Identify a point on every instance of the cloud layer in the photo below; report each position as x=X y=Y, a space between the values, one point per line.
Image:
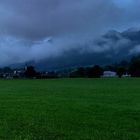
x=43 y=29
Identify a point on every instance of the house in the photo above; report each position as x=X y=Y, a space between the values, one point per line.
x=126 y=75
x=109 y=74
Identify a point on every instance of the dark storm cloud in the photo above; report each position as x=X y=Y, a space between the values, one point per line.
x=39 y=29
x=41 y=18
x=112 y=47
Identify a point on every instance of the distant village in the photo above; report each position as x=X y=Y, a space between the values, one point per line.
x=122 y=69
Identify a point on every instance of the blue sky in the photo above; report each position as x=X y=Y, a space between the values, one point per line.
x=124 y=3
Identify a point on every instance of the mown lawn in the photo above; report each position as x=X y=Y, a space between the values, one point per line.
x=70 y=109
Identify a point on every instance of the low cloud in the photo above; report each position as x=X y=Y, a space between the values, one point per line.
x=135 y=50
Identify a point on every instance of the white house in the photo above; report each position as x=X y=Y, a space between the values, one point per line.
x=109 y=74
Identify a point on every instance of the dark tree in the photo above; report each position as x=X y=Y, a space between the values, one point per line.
x=95 y=72
x=110 y=67
x=30 y=72
x=121 y=71
x=81 y=72
x=135 y=69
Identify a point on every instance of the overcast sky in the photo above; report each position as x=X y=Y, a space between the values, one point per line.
x=41 y=29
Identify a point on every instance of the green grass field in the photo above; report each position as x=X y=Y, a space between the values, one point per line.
x=70 y=109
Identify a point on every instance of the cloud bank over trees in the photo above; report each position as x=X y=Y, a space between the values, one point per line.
x=44 y=29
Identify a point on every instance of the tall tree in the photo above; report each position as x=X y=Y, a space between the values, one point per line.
x=121 y=71
x=30 y=72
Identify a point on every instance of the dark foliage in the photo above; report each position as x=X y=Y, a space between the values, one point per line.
x=121 y=71
x=30 y=72
x=134 y=69
x=95 y=72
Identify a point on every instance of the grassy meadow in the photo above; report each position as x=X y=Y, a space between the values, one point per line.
x=70 y=109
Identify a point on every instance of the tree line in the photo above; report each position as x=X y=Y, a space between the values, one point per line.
x=131 y=67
